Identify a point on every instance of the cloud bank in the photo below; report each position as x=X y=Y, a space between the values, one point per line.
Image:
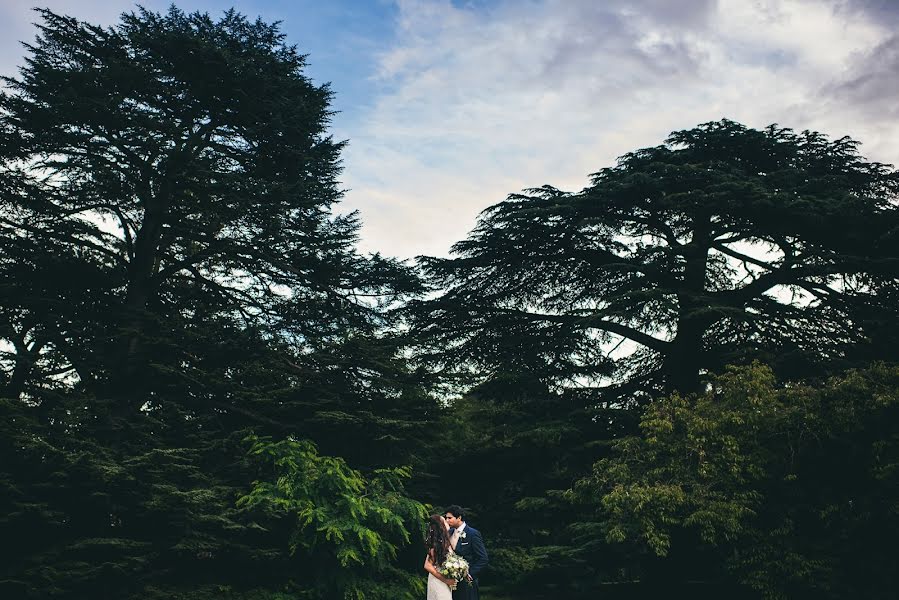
x=480 y=101
x=450 y=106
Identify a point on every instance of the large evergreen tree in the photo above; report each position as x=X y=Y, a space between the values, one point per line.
x=722 y=244
x=189 y=158
x=174 y=278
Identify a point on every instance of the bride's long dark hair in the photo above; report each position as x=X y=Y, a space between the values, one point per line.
x=437 y=540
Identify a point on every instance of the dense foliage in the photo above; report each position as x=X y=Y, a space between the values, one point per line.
x=348 y=528
x=794 y=486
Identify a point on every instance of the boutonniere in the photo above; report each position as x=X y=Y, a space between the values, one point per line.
x=462 y=535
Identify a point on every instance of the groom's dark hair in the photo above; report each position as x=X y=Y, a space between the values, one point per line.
x=456 y=511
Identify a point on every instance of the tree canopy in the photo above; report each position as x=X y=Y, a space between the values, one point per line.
x=723 y=244
x=187 y=160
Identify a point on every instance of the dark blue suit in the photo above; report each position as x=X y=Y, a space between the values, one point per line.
x=471 y=548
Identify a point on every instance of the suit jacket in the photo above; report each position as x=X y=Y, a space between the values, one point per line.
x=471 y=548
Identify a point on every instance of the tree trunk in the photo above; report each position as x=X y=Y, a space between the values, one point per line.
x=684 y=360
x=141 y=289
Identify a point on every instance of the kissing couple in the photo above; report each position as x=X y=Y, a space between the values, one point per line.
x=450 y=538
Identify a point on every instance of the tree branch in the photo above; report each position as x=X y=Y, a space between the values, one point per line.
x=597 y=322
x=720 y=247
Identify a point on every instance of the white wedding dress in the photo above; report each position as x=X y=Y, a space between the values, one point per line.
x=437 y=590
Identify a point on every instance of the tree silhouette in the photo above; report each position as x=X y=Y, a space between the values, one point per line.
x=174 y=279
x=722 y=244
x=188 y=158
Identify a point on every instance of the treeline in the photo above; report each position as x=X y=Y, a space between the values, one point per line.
x=684 y=372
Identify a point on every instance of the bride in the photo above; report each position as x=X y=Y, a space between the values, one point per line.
x=438 y=545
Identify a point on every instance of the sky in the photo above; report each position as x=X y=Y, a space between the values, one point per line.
x=448 y=107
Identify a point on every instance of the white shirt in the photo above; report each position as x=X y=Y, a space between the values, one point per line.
x=456 y=534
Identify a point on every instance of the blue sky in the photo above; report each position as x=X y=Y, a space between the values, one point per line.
x=450 y=106
x=342 y=37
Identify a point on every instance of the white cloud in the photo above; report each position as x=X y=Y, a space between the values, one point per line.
x=483 y=102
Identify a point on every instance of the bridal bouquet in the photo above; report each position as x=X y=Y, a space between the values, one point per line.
x=454 y=567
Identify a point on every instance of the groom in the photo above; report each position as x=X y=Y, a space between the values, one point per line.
x=467 y=543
